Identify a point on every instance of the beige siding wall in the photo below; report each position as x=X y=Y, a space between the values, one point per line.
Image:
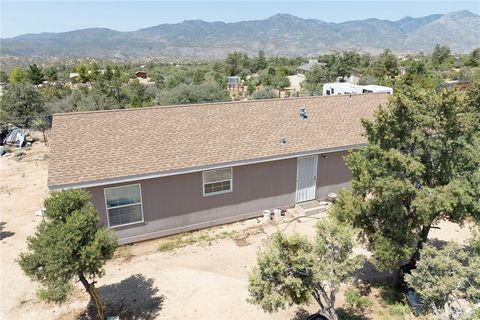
x=176 y=204
x=332 y=174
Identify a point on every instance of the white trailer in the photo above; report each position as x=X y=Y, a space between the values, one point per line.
x=377 y=89
x=348 y=88
x=340 y=88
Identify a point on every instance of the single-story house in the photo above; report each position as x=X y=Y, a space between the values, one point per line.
x=162 y=170
x=354 y=77
x=304 y=68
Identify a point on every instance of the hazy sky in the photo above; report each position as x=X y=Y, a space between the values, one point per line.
x=19 y=17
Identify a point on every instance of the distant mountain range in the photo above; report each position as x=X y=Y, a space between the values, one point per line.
x=282 y=34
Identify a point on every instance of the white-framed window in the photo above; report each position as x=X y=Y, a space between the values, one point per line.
x=124 y=205
x=217 y=181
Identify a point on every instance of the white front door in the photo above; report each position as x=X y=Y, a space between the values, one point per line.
x=306 y=178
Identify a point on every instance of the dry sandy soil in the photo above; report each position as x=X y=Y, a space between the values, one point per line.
x=204 y=280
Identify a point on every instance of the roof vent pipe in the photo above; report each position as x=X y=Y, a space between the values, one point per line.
x=303 y=113
x=283 y=140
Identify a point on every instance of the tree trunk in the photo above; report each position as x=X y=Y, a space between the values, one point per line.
x=44 y=137
x=92 y=291
x=327 y=308
x=396 y=277
x=423 y=237
x=331 y=313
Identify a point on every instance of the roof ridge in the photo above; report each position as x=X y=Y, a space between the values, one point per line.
x=209 y=104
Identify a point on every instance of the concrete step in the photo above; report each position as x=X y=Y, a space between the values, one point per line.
x=312 y=207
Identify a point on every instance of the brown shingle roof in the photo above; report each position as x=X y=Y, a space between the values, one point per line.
x=90 y=146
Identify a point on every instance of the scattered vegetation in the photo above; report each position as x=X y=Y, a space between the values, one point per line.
x=421 y=165
x=355 y=299
x=40 y=90
x=199 y=238
x=448 y=279
x=294 y=269
x=124 y=252
x=20 y=154
x=69 y=244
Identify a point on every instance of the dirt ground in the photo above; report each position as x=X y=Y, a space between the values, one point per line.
x=203 y=280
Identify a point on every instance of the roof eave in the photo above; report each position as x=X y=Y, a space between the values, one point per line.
x=146 y=176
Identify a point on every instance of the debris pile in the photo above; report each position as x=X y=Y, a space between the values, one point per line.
x=12 y=136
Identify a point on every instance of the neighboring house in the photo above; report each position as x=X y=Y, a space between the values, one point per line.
x=336 y=88
x=158 y=171
x=74 y=77
x=234 y=83
x=354 y=77
x=304 y=68
x=295 y=82
x=141 y=74
x=461 y=85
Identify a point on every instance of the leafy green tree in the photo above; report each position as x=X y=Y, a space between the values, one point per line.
x=176 y=78
x=118 y=74
x=199 y=76
x=21 y=103
x=260 y=61
x=329 y=59
x=440 y=54
x=235 y=62
x=185 y=94
x=35 y=74
x=138 y=95
x=159 y=79
x=342 y=65
x=41 y=123
x=96 y=100
x=271 y=71
x=69 y=244
x=108 y=74
x=473 y=98
x=386 y=66
x=219 y=73
x=3 y=77
x=250 y=88
x=465 y=74
x=264 y=93
x=315 y=78
x=293 y=269
x=51 y=74
x=420 y=75
x=83 y=73
x=50 y=93
x=265 y=78
x=420 y=166
x=281 y=82
x=474 y=58
x=351 y=58
x=445 y=276
x=95 y=72
x=417 y=67
x=17 y=75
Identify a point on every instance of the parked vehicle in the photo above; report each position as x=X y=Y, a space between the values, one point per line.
x=317 y=316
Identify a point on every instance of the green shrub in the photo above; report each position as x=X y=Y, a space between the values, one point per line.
x=355 y=300
x=19 y=154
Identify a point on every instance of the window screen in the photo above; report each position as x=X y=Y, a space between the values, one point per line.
x=124 y=205
x=217 y=181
